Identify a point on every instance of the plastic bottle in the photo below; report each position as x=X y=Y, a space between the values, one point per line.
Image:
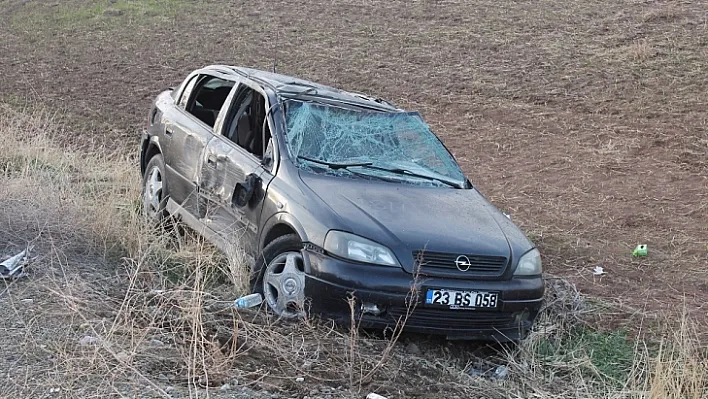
x=249 y=301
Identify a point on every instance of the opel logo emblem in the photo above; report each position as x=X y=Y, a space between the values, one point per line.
x=463 y=263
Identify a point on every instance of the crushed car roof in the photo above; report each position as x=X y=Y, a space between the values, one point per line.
x=286 y=86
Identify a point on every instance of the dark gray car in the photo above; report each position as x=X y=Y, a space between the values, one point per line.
x=337 y=195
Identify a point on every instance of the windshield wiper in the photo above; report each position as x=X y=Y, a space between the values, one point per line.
x=369 y=165
x=335 y=165
x=406 y=172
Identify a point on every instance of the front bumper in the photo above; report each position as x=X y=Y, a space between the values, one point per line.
x=330 y=282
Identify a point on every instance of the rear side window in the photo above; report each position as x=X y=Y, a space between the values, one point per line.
x=206 y=97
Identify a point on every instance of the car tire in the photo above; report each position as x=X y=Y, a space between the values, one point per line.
x=155 y=191
x=280 y=277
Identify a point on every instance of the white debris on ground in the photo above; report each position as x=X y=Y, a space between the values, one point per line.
x=13 y=267
x=89 y=340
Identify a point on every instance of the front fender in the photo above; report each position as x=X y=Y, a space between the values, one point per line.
x=281 y=218
x=148 y=146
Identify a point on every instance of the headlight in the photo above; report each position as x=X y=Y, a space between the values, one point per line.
x=360 y=249
x=529 y=264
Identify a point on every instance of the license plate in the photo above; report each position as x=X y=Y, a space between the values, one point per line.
x=462 y=299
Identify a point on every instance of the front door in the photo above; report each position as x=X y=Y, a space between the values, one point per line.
x=233 y=180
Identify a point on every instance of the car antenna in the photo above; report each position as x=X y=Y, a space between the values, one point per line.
x=275 y=51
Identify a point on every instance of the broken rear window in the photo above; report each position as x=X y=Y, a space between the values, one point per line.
x=387 y=145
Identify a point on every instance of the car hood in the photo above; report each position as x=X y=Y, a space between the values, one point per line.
x=409 y=218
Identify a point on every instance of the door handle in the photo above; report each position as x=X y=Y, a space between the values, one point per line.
x=214 y=159
x=168 y=132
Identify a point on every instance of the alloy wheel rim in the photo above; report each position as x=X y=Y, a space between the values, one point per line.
x=153 y=192
x=284 y=285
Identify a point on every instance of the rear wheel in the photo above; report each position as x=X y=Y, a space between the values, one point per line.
x=281 y=277
x=155 y=192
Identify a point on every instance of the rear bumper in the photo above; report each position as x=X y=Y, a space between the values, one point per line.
x=331 y=282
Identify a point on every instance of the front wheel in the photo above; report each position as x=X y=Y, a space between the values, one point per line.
x=155 y=193
x=281 y=277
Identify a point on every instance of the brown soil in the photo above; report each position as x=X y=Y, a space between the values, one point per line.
x=586 y=120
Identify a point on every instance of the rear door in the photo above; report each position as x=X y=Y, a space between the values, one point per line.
x=188 y=131
x=234 y=177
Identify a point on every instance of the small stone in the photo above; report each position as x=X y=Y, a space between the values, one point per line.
x=112 y=12
x=299 y=379
x=225 y=387
x=169 y=389
x=163 y=377
x=88 y=340
x=122 y=356
x=414 y=350
x=156 y=342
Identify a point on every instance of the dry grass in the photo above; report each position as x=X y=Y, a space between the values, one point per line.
x=155 y=307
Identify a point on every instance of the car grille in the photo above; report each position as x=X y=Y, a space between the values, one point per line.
x=443 y=264
x=454 y=319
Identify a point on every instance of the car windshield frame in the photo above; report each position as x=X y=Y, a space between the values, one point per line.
x=399 y=144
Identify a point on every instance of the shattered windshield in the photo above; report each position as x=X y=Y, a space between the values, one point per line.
x=393 y=146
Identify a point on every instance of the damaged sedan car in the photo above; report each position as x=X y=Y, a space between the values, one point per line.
x=337 y=195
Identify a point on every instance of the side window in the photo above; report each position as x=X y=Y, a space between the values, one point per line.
x=245 y=121
x=182 y=103
x=208 y=95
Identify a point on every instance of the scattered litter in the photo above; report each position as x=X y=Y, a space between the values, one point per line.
x=54 y=390
x=27 y=301
x=497 y=373
x=88 y=340
x=375 y=396
x=225 y=387
x=299 y=379
x=507 y=215
x=640 y=250
x=156 y=292
x=598 y=271
x=12 y=267
x=500 y=373
x=249 y=301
